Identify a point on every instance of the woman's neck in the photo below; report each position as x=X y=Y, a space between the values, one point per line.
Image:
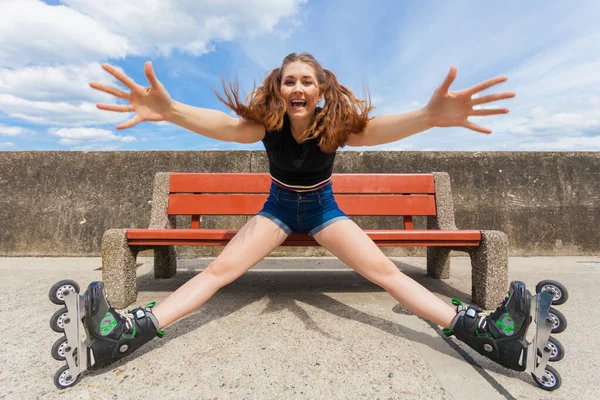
x=298 y=127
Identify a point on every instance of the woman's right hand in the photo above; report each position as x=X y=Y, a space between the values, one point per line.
x=149 y=104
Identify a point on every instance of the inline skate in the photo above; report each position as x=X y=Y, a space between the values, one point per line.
x=95 y=334
x=502 y=335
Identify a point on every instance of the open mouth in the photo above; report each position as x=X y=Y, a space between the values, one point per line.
x=298 y=105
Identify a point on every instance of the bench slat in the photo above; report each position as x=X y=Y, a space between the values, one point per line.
x=342 y=183
x=249 y=204
x=219 y=183
x=220 y=237
x=383 y=183
x=379 y=243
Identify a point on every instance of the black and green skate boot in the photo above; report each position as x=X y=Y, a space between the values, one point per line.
x=500 y=336
x=111 y=335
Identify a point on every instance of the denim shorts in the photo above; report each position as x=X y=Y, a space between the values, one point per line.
x=302 y=212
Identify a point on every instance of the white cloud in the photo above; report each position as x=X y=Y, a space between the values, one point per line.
x=49 y=54
x=57 y=113
x=387 y=105
x=7 y=130
x=80 y=136
x=60 y=83
x=375 y=99
x=564 y=143
x=400 y=145
x=558 y=71
x=557 y=103
x=555 y=82
x=187 y=25
x=83 y=31
x=6 y=145
x=32 y=32
x=542 y=121
x=218 y=145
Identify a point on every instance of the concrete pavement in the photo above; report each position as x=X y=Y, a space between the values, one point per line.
x=293 y=328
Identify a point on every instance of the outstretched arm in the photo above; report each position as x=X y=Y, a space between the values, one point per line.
x=154 y=104
x=215 y=124
x=444 y=109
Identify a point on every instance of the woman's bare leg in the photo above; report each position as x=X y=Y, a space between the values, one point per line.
x=257 y=238
x=352 y=245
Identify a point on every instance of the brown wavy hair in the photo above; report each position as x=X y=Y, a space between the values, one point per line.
x=342 y=113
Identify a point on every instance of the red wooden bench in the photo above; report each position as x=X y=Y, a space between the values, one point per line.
x=406 y=195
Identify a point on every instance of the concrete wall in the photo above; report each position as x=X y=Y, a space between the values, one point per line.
x=60 y=203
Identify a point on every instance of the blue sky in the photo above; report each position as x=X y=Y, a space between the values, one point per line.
x=50 y=50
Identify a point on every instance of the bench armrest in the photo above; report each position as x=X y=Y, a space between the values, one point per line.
x=443 y=201
x=159 y=218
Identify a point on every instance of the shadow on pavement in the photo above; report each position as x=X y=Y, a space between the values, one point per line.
x=285 y=288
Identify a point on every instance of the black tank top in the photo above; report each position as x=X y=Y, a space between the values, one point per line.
x=298 y=166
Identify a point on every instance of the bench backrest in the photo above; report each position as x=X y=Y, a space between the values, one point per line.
x=404 y=195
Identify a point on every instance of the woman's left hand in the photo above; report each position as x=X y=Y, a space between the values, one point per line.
x=447 y=108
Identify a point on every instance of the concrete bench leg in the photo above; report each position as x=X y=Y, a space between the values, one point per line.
x=119 y=268
x=438 y=262
x=165 y=262
x=489 y=263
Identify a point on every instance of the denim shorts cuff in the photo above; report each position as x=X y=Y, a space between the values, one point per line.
x=325 y=224
x=277 y=222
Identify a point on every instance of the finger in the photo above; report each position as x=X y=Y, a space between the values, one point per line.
x=115 y=107
x=127 y=81
x=475 y=127
x=149 y=71
x=110 y=90
x=489 y=111
x=128 y=124
x=492 y=97
x=449 y=79
x=486 y=84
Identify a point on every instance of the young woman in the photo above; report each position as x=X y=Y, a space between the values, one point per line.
x=301 y=140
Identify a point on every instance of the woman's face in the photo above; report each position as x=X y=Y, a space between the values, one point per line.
x=299 y=89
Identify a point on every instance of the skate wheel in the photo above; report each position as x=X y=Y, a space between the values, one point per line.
x=59 y=349
x=56 y=294
x=557 y=351
x=63 y=378
x=559 y=321
x=58 y=320
x=550 y=381
x=561 y=295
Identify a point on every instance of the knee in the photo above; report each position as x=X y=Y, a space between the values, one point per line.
x=222 y=271
x=384 y=274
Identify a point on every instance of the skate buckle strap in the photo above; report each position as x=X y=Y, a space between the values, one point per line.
x=129 y=326
x=148 y=307
x=459 y=307
x=471 y=312
x=456 y=302
x=461 y=310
